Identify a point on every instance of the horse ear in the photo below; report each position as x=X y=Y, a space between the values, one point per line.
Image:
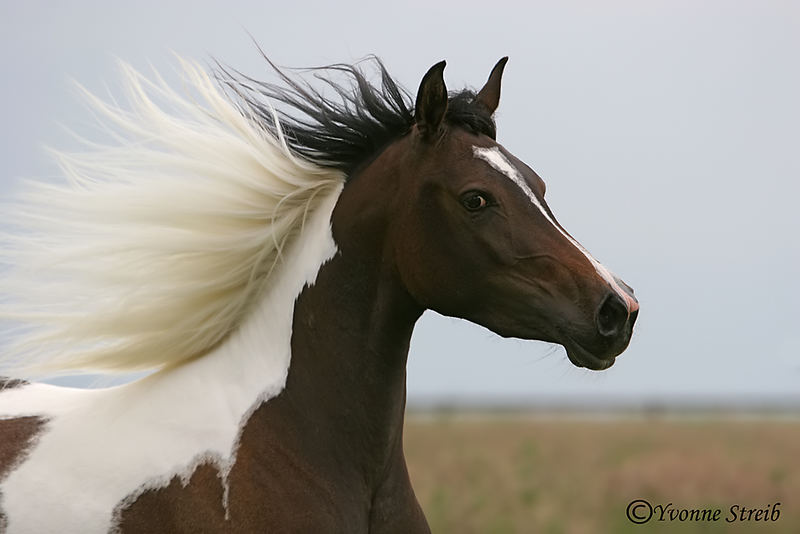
x=489 y=96
x=431 y=102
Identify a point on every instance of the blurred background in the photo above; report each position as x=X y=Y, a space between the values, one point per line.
x=668 y=135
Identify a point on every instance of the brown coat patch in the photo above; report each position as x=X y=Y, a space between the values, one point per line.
x=195 y=507
x=16 y=438
x=271 y=490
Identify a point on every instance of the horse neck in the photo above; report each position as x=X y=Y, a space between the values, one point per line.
x=349 y=350
x=344 y=398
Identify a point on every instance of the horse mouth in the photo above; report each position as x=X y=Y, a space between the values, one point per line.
x=580 y=357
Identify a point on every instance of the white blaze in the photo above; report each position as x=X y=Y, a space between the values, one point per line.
x=494 y=157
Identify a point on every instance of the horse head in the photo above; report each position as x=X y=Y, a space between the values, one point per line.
x=470 y=234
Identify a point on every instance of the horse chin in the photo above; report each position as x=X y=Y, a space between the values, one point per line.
x=581 y=357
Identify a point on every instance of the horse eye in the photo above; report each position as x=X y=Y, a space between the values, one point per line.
x=475 y=201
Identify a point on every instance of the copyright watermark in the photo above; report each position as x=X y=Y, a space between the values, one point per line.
x=640 y=511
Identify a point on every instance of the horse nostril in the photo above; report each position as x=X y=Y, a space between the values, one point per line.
x=611 y=316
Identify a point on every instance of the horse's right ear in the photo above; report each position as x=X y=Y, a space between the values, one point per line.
x=431 y=102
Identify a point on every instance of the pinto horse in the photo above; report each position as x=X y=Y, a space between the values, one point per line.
x=252 y=225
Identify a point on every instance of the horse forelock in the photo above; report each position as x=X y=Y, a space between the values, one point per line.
x=355 y=122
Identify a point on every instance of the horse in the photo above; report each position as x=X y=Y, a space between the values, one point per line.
x=264 y=250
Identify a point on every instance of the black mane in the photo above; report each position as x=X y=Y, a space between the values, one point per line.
x=354 y=125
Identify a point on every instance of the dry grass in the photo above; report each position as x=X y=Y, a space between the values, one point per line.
x=516 y=474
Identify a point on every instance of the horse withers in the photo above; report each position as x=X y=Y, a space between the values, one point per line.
x=267 y=250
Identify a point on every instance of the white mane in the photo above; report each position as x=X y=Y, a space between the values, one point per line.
x=157 y=247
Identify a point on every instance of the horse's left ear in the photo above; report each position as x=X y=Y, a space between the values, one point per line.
x=431 y=102
x=489 y=96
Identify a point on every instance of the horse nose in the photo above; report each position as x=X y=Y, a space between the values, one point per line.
x=614 y=314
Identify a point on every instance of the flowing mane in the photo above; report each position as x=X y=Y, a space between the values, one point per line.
x=344 y=131
x=157 y=246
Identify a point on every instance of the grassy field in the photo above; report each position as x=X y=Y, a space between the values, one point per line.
x=505 y=474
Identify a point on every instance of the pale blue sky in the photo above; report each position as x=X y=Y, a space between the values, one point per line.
x=667 y=133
